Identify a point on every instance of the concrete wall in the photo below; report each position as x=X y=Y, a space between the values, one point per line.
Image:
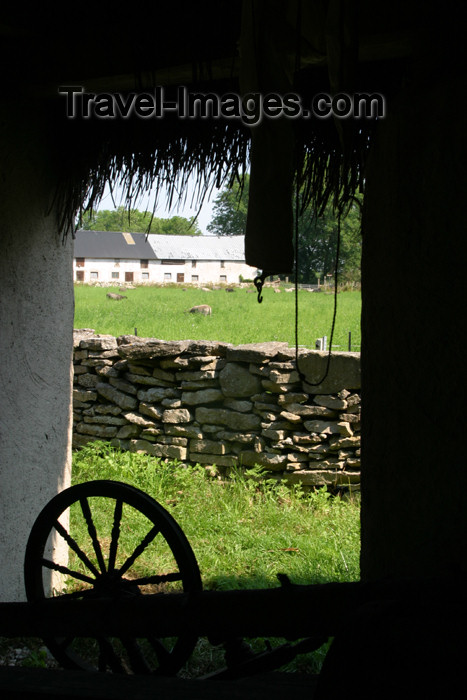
x=36 y=321
x=217 y=404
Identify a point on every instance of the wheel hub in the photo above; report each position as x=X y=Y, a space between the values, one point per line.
x=113 y=585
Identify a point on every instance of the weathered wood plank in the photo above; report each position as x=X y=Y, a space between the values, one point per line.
x=290 y=611
x=210 y=613
x=23 y=683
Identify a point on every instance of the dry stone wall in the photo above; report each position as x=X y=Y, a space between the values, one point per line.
x=214 y=403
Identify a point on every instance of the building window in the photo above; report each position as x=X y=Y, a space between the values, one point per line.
x=80 y=275
x=115 y=275
x=194 y=278
x=144 y=264
x=172 y=262
x=222 y=263
x=193 y=263
x=223 y=278
x=145 y=275
x=94 y=275
x=79 y=262
x=167 y=276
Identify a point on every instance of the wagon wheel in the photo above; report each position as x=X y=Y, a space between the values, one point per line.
x=98 y=540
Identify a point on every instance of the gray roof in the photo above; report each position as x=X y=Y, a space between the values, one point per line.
x=112 y=244
x=116 y=244
x=198 y=247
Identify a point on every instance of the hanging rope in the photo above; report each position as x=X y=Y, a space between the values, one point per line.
x=297 y=213
x=336 y=275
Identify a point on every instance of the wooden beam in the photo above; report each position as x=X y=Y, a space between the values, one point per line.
x=291 y=611
x=72 y=685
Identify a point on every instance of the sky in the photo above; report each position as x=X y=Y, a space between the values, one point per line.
x=162 y=210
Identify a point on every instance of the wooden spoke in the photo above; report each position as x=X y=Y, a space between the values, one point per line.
x=65 y=570
x=76 y=549
x=139 y=549
x=92 y=532
x=115 y=534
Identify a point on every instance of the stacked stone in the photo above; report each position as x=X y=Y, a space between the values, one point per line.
x=216 y=404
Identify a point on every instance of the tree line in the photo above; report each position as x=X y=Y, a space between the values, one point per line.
x=135 y=221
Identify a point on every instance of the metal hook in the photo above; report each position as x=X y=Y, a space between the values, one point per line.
x=258 y=282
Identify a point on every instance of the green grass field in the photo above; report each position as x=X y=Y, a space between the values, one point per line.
x=243 y=531
x=162 y=312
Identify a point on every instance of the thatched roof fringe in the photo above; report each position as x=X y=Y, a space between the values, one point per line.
x=168 y=163
x=325 y=175
x=213 y=153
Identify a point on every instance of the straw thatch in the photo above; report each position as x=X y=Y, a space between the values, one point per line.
x=140 y=156
x=327 y=158
x=214 y=152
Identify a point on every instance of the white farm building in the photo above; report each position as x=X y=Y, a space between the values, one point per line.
x=136 y=258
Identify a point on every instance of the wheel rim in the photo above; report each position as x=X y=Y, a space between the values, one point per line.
x=100 y=539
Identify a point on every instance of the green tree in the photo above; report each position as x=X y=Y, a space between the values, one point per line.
x=317 y=237
x=176 y=225
x=317 y=245
x=135 y=221
x=229 y=210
